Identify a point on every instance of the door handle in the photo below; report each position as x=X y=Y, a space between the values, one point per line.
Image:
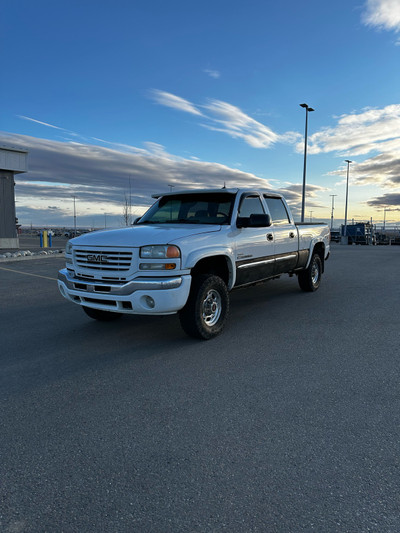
x=270 y=237
x=291 y=235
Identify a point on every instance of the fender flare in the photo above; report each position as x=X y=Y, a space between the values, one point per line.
x=313 y=244
x=208 y=253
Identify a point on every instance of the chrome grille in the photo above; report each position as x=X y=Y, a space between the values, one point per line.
x=103 y=260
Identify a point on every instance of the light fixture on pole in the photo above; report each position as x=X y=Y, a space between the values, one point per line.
x=333 y=207
x=303 y=199
x=345 y=239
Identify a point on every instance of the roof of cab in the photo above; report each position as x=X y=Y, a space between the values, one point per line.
x=222 y=190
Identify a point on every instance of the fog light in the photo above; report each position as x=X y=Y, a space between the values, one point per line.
x=149 y=302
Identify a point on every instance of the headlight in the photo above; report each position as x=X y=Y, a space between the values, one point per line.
x=68 y=248
x=160 y=252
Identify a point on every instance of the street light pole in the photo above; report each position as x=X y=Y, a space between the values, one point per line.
x=347 y=197
x=333 y=207
x=74 y=197
x=303 y=198
x=384 y=217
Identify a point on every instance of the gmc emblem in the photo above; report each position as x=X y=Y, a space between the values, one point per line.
x=97 y=258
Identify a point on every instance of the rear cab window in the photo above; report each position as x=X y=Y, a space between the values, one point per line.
x=277 y=210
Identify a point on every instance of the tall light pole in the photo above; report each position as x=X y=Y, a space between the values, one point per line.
x=333 y=207
x=347 y=197
x=384 y=217
x=303 y=199
x=74 y=197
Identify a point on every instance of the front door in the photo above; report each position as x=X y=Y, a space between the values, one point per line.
x=254 y=246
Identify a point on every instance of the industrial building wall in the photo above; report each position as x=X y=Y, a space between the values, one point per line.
x=8 y=232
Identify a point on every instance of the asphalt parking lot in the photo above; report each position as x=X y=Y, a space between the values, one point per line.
x=287 y=422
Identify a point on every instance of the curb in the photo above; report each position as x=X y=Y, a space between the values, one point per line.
x=26 y=255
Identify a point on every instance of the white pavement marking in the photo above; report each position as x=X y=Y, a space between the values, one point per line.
x=28 y=273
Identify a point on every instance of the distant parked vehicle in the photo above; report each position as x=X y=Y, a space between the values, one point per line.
x=335 y=235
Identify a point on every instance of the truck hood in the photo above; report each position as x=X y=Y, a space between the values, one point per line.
x=142 y=235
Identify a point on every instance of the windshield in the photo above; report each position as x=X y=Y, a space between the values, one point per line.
x=200 y=208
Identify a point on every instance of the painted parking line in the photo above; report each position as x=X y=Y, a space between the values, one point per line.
x=27 y=273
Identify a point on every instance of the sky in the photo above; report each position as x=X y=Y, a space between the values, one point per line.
x=116 y=101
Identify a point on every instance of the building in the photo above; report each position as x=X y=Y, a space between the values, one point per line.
x=12 y=161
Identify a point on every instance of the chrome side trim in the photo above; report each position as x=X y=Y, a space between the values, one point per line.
x=257 y=263
x=285 y=257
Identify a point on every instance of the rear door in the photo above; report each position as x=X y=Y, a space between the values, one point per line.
x=285 y=235
x=254 y=246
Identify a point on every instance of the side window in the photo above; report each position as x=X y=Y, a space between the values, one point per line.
x=251 y=205
x=278 y=210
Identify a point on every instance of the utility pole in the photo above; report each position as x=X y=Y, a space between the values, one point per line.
x=333 y=207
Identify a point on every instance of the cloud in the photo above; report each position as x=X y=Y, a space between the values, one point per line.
x=382 y=14
x=230 y=119
x=226 y=118
x=293 y=195
x=212 y=73
x=382 y=170
x=99 y=176
x=387 y=200
x=176 y=102
x=359 y=133
x=40 y=122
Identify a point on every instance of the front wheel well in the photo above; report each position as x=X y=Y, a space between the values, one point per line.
x=218 y=266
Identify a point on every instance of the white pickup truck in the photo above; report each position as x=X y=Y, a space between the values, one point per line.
x=187 y=252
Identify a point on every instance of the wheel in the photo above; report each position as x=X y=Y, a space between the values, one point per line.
x=103 y=316
x=310 y=278
x=206 y=310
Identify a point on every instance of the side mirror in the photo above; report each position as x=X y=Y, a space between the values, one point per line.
x=259 y=221
x=254 y=221
x=136 y=221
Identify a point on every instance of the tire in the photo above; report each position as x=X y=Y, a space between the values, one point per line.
x=207 y=308
x=310 y=278
x=102 y=316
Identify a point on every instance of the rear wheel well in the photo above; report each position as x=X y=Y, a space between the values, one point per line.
x=217 y=266
x=319 y=249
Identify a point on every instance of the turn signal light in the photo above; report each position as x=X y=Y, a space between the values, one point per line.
x=173 y=251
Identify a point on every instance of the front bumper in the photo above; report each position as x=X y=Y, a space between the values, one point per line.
x=143 y=296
